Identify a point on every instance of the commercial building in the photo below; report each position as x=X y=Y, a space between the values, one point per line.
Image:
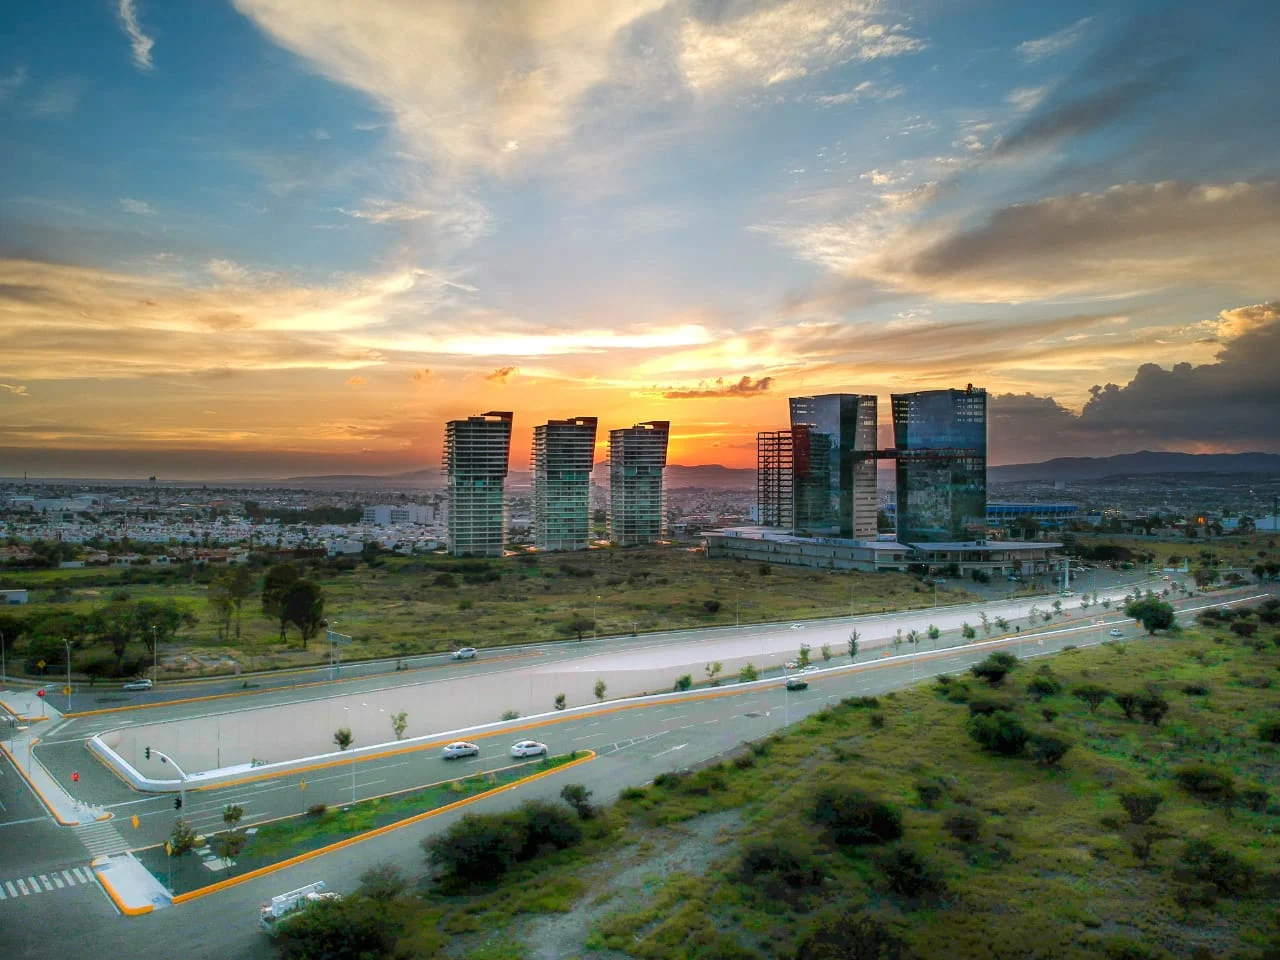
x=387 y=514
x=833 y=456
x=637 y=459
x=774 y=479
x=940 y=440
x=564 y=453
x=477 y=452
x=1010 y=515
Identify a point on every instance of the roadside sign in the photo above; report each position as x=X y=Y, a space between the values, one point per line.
x=40 y=693
x=75 y=776
x=302 y=784
x=66 y=691
x=135 y=821
x=40 y=664
x=338 y=638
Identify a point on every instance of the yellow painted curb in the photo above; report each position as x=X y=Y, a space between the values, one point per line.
x=260 y=692
x=377 y=831
x=36 y=790
x=124 y=908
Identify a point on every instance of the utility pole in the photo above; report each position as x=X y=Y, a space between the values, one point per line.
x=68 y=645
x=155 y=656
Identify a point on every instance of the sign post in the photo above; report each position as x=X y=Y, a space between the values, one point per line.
x=40 y=694
x=336 y=640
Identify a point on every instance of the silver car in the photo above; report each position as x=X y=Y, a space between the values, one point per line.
x=528 y=748
x=142 y=684
x=461 y=749
x=466 y=653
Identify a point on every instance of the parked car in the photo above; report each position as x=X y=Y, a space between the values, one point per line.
x=466 y=653
x=460 y=748
x=287 y=903
x=797 y=683
x=142 y=683
x=1115 y=632
x=529 y=748
x=792 y=664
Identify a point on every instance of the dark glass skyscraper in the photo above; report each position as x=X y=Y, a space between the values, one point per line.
x=637 y=458
x=563 y=456
x=476 y=454
x=833 y=447
x=941 y=441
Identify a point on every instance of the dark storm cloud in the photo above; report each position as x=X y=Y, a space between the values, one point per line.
x=746 y=387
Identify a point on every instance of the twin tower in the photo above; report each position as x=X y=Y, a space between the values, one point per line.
x=477 y=452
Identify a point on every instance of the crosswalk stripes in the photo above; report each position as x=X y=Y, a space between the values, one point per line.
x=101 y=839
x=44 y=883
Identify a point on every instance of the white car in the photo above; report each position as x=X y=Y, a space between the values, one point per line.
x=792 y=664
x=1115 y=632
x=528 y=748
x=466 y=653
x=461 y=749
x=797 y=626
x=141 y=684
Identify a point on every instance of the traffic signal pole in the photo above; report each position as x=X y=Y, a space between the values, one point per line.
x=182 y=781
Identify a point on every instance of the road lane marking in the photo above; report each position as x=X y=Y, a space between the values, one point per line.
x=45 y=881
x=57 y=882
x=9 y=886
x=22 y=886
x=70 y=880
x=663 y=753
x=705 y=722
x=82 y=877
x=586 y=736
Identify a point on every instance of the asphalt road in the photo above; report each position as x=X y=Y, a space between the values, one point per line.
x=634 y=745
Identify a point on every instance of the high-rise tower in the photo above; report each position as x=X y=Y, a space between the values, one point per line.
x=563 y=455
x=477 y=451
x=941 y=440
x=637 y=458
x=833 y=450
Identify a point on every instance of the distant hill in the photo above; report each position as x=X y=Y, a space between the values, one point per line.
x=1143 y=462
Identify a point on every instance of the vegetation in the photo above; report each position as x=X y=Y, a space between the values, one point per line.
x=1103 y=836
x=393 y=606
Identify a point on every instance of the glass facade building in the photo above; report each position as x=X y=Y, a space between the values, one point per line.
x=476 y=456
x=637 y=505
x=941 y=441
x=563 y=454
x=833 y=465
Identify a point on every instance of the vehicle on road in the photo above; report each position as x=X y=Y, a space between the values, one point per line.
x=1115 y=632
x=466 y=653
x=797 y=683
x=797 y=626
x=812 y=668
x=140 y=684
x=287 y=903
x=792 y=664
x=529 y=748
x=461 y=749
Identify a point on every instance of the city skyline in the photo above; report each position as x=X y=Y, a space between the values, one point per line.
x=270 y=238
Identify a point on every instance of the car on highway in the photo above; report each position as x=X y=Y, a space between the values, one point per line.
x=529 y=748
x=1115 y=632
x=466 y=653
x=792 y=664
x=797 y=683
x=140 y=684
x=460 y=748
x=797 y=626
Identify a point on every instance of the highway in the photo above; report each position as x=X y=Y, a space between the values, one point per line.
x=634 y=745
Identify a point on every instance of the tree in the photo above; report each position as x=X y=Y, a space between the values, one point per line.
x=229 y=845
x=967 y=631
x=825 y=650
x=117 y=625
x=1153 y=614
x=577 y=625
x=1152 y=707
x=1000 y=732
x=1057 y=606
x=1091 y=694
x=240 y=586
x=1128 y=702
x=934 y=633
x=219 y=597
x=399 y=724
x=711 y=670
x=275 y=584
x=803 y=658
x=1002 y=624
x=1204 y=576
x=560 y=701
x=578 y=797
x=913 y=638
x=748 y=674
x=994 y=668
x=342 y=737
x=182 y=839
x=986 y=623
x=383 y=882
x=599 y=689
x=853 y=644
x=1047 y=751
x=303 y=607
x=231 y=815
x=1141 y=805
x=353 y=927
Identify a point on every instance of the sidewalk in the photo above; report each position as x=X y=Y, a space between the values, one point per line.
x=130 y=885
x=22 y=716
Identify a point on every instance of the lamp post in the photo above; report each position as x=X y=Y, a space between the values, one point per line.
x=68 y=645
x=155 y=656
x=4 y=674
x=595 y=630
x=352 y=748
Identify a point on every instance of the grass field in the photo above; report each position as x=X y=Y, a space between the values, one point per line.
x=406 y=606
x=1238 y=551
x=999 y=856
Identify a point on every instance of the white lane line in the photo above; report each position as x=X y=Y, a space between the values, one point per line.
x=35 y=887
x=710 y=721
x=9 y=885
x=45 y=881
x=83 y=878
x=57 y=882
x=684 y=726
x=587 y=736
x=71 y=881
x=22 y=886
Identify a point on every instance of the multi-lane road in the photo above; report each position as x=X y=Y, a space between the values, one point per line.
x=50 y=911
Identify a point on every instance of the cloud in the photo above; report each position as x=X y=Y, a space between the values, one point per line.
x=140 y=42
x=1228 y=404
x=1055 y=43
x=1026 y=98
x=58 y=99
x=419 y=376
x=1238 y=321
x=385 y=211
x=866 y=90
x=16 y=390
x=746 y=387
x=356 y=381
x=773 y=43
x=139 y=207
x=501 y=375
x=1126 y=239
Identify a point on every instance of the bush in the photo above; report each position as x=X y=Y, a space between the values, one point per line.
x=354 y=926
x=748 y=674
x=711 y=606
x=853 y=818
x=317 y=809
x=965 y=827
x=578 y=797
x=860 y=703
x=383 y=882
x=1128 y=702
x=1152 y=707
x=1091 y=695
x=1269 y=731
x=480 y=848
x=839 y=935
x=929 y=794
x=1047 y=751
x=1141 y=805
x=1209 y=864
x=683 y=683
x=985 y=706
x=773 y=863
x=1255 y=799
x=994 y=668
x=1206 y=782
x=877 y=721
x=1000 y=733
x=1043 y=685
x=910 y=875
x=545 y=825
x=1196 y=689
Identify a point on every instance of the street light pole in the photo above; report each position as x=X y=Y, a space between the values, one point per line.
x=155 y=656
x=68 y=644
x=4 y=674
x=595 y=630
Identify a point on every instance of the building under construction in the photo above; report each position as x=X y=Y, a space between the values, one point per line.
x=563 y=455
x=774 y=478
x=637 y=459
x=477 y=452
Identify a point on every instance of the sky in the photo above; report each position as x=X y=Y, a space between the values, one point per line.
x=279 y=237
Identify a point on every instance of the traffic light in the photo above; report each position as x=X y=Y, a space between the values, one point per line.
x=147 y=753
x=177 y=803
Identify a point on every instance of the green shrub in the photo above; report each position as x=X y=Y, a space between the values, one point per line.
x=861 y=703
x=1206 y=782
x=1000 y=733
x=840 y=935
x=1255 y=799
x=877 y=721
x=929 y=794
x=1091 y=695
x=994 y=668
x=1269 y=731
x=684 y=683
x=1222 y=868
x=1141 y=805
x=853 y=818
x=778 y=866
x=1048 y=751
x=1196 y=689
x=985 y=706
x=1043 y=685
x=317 y=809
x=632 y=793
x=910 y=875
x=964 y=826
x=355 y=926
